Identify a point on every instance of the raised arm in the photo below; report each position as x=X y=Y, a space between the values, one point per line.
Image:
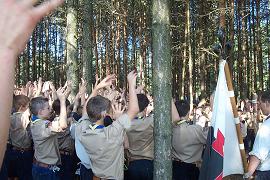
x=17 y=21
x=133 y=107
x=62 y=95
x=175 y=115
x=107 y=81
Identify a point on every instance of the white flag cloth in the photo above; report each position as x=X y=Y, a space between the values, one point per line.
x=223 y=120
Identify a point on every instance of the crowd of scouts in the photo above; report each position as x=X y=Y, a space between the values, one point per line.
x=110 y=136
x=107 y=135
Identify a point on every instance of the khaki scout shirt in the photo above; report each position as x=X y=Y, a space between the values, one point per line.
x=66 y=142
x=140 y=138
x=76 y=130
x=44 y=134
x=105 y=148
x=187 y=142
x=19 y=130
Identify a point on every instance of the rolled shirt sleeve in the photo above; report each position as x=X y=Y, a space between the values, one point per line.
x=261 y=147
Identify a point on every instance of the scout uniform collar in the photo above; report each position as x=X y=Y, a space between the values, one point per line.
x=139 y=117
x=34 y=118
x=181 y=121
x=96 y=126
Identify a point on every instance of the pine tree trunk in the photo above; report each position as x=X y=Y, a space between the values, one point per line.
x=244 y=82
x=47 y=51
x=72 y=54
x=255 y=57
x=125 y=46
x=87 y=42
x=162 y=89
x=259 y=45
x=190 y=62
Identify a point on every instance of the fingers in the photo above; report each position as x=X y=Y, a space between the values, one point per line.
x=28 y=3
x=45 y=8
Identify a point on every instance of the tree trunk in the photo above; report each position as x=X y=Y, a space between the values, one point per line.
x=190 y=62
x=255 y=57
x=72 y=54
x=162 y=89
x=125 y=46
x=231 y=57
x=34 y=64
x=243 y=80
x=47 y=51
x=87 y=42
x=259 y=45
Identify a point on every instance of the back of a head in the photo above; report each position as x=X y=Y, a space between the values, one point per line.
x=56 y=106
x=182 y=107
x=265 y=96
x=20 y=101
x=37 y=104
x=96 y=106
x=143 y=101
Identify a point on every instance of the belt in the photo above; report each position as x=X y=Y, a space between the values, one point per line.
x=180 y=161
x=67 y=153
x=44 y=165
x=21 y=149
x=41 y=164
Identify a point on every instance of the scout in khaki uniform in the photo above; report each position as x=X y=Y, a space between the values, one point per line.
x=44 y=134
x=21 y=153
x=187 y=145
x=104 y=145
x=66 y=144
x=141 y=143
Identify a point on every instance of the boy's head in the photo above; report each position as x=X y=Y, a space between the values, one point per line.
x=21 y=103
x=143 y=101
x=264 y=102
x=97 y=107
x=40 y=107
x=56 y=106
x=182 y=107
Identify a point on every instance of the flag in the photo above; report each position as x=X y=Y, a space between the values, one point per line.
x=222 y=154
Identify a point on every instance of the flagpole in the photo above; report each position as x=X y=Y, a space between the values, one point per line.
x=235 y=114
x=225 y=47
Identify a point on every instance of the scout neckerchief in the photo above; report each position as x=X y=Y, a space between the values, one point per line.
x=96 y=126
x=181 y=121
x=34 y=118
x=138 y=117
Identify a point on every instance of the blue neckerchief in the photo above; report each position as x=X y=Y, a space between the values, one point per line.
x=138 y=118
x=100 y=127
x=34 y=117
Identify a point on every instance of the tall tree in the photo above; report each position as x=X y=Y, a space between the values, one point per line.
x=162 y=88
x=190 y=60
x=72 y=46
x=87 y=41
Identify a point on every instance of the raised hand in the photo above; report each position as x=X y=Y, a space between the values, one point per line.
x=97 y=80
x=132 y=76
x=18 y=19
x=107 y=81
x=118 y=109
x=82 y=87
x=61 y=93
x=139 y=89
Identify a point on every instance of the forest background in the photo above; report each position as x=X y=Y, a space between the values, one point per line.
x=86 y=37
